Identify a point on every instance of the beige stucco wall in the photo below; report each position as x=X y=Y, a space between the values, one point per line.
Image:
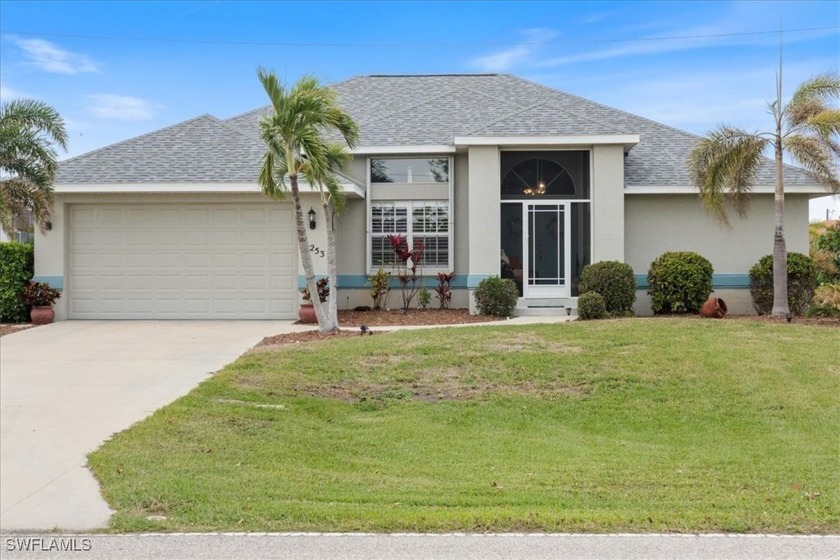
x=483 y=207
x=659 y=223
x=608 y=203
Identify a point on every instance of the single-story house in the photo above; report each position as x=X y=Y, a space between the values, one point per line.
x=484 y=169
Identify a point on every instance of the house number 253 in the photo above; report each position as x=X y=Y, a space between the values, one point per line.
x=317 y=250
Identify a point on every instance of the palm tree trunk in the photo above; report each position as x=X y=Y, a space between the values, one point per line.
x=780 y=286
x=332 y=272
x=324 y=324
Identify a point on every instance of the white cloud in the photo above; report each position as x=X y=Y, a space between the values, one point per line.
x=50 y=58
x=505 y=59
x=121 y=107
x=7 y=93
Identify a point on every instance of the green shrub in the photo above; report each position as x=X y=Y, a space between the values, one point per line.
x=679 y=282
x=496 y=296
x=424 y=297
x=16 y=268
x=801 y=275
x=614 y=281
x=592 y=305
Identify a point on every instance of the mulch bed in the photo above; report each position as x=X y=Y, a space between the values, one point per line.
x=9 y=328
x=350 y=318
x=307 y=336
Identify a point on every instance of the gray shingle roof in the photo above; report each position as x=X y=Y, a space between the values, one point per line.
x=200 y=150
x=399 y=111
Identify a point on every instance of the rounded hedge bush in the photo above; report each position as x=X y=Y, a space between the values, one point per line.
x=614 y=281
x=16 y=261
x=801 y=274
x=496 y=296
x=680 y=282
x=592 y=305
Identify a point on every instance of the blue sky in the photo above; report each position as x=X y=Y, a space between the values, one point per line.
x=118 y=69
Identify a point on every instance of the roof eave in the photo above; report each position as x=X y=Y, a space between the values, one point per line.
x=626 y=140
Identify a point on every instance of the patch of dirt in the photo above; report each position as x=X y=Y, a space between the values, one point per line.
x=9 y=328
x=446 y=386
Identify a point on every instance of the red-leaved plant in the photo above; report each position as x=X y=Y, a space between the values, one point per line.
x=408 y=262
x=444 y=288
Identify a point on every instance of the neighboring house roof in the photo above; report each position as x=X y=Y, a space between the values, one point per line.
x=406 y=111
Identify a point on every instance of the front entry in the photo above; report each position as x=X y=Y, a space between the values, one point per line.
x=547 y=251
x=536 y=248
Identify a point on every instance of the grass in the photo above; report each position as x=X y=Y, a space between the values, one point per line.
x=625 y=425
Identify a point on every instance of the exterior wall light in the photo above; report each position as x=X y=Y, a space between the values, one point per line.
x=311 y=215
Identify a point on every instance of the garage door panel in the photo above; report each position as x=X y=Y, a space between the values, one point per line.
x=182 y=261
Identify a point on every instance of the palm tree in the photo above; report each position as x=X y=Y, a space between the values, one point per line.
x=28 y=130
x=332 y=202
x=723 y=166
x=294 y=136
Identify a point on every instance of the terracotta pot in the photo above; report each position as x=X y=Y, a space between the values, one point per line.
x=714 y=308
x=42 y=315
x=306 y=313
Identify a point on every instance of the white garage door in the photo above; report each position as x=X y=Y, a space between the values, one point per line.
x=182 y=261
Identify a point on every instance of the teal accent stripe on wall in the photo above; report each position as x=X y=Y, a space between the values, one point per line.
x=719 y=281
x=359 y=281
x=56 y=282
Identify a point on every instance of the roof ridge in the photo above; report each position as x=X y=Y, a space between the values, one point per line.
x=519 y=111
x=133 y=138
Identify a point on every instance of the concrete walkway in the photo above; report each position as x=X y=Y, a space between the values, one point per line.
x=67 y=387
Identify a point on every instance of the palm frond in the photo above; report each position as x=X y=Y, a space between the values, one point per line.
x=723 y=167
x=812 y=97
x=34 y=115
x=817 y=157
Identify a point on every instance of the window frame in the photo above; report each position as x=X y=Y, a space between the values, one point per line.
x=372 y=267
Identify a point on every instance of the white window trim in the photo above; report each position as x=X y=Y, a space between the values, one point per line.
x=426 y=270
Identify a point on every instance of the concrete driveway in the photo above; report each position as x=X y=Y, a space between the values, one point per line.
x=67 y=387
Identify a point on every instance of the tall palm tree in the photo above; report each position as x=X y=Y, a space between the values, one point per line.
x=332 y=202
x=807 y=129
x=28 y=131
x=294 y=136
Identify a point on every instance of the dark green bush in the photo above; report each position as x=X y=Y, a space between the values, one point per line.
x=592 y=305
x=822 y=311
x=614 y=281
x=802 y=280
x=680 y=282
x=496 y=296
x=16 y=262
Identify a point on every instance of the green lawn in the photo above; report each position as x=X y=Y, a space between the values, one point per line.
x=623 y=425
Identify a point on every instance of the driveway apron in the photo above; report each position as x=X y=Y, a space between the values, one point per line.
x=67 y=387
